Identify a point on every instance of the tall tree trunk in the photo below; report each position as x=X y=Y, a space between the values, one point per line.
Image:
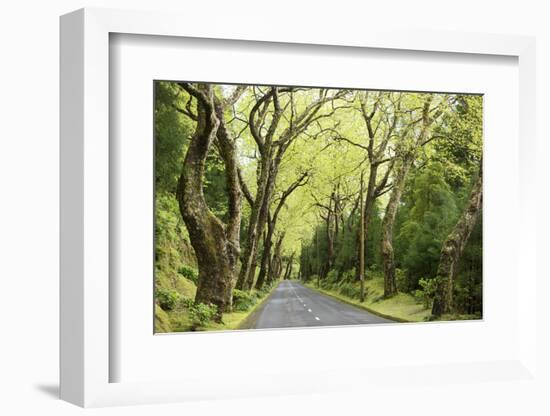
x=366 y=208
x=216 y=244
x=452 y=250
x=330 y=239
x=271 y=156
x=265 y=259
x=275 y=265
x=254 y=230
x=388 y=259
x=271 y=223
x=262 y=221
x=362 y=244
x=288 y=271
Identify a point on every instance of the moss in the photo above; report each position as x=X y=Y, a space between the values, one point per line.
x=162 y=321
x=186 y=287
x=180 y=322
x=401 y=307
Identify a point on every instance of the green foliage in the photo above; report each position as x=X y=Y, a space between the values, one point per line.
x=172 y=131
x=242 y=300
x=201 y=314
x=189 y=273
x=332 y=276
x=431 y=213
x=468 y=291
x=401 y=280
x=435 y=191
x=349 y=275
x=350 y=290
x=462 y=147
x=426 y=292
x=167 y=298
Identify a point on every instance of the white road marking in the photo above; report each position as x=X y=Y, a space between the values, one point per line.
x=309 y=310
x=317 y=318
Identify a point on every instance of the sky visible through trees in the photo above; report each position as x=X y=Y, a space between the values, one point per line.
x=372 y=197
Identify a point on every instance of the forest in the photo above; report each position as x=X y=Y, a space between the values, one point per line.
x=269 y=196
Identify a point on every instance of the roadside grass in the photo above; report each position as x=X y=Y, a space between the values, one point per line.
x=178 y=320
x=233 y=320
x=402 y=307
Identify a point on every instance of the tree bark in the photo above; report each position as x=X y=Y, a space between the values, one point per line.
x=275 y=265
x=362 y=244
x=216 y=244
x=376 y=157
x=271 y=153
x=452 y=250
x=265 y=181
x=288 y=271
x=388 y=259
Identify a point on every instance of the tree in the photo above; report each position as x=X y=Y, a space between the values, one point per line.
x=381 y=119
x=271 y=224
x=453 y=248
x=431 y=211
x=408 y=156
x=271 y=155
x=216 y=244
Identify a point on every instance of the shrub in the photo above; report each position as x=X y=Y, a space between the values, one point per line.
x=426 y=292
x=189 y=273
x=200 y=314
x=350 y=290
x=186 y=303
x=243 y=301
x=401 y=280
x=167 y=298
x=332 y=276
x=349 y=275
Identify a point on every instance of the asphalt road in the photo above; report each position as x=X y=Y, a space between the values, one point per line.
x=293 y=305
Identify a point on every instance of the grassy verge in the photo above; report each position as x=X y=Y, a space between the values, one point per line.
x=179 y=321
x=401 y=308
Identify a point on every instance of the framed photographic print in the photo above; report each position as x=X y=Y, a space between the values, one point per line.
x=230 y=198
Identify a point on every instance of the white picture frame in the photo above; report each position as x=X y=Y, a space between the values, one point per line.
x=85 y=220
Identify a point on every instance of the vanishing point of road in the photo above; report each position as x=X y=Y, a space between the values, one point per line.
x=293 y=305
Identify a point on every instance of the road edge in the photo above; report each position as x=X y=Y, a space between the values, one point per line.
x=256 y=311
x=366 y=308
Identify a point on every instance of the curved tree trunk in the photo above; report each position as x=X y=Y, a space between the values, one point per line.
x=216 y=244
x=271 y=155
x=254 y=230
x=388 y=260
x=266 y=254
x=271 y=223
x=452 y=250
x=275 y=265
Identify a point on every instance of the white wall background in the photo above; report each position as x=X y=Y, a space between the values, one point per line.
x=29 y=206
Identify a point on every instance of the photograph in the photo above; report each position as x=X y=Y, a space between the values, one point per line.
x=283 y=206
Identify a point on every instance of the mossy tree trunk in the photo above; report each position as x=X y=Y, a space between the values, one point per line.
x=388 y=260
x=408 y=155
x=452 y=250
x=376 y=155
x=216 y=244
